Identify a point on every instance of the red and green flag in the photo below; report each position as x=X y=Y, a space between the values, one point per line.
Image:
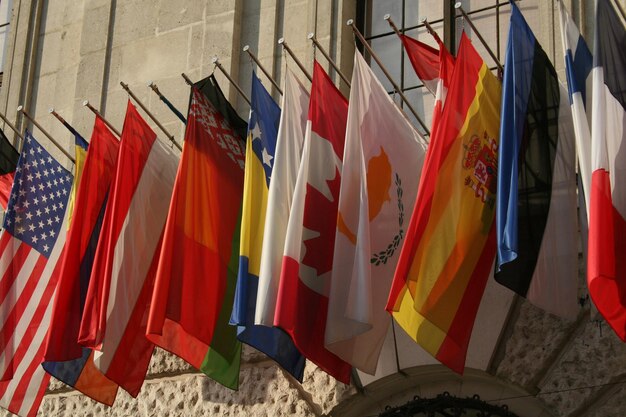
x=197 y=272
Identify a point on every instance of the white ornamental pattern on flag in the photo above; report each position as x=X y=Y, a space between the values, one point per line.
x=200 y=109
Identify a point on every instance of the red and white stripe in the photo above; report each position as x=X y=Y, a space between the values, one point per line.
x=26 y=306
x=136 y=253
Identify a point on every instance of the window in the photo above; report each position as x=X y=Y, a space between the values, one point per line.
x=489 y=16
x=5 y=17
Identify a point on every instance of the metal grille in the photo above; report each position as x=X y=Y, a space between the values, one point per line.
x=446 y=405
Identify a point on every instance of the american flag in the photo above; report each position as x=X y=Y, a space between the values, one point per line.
x=31 y=243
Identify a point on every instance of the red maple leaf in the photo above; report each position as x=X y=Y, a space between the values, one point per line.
x=320 y=215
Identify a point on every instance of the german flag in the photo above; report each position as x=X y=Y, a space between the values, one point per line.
x=450 y=247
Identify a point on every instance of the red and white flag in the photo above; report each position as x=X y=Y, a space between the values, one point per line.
x=32 y=241
x=308 y=257
x=295 y=106
x=116 y=308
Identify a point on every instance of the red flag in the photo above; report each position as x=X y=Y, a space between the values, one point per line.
x=114 y=319
x=65 y=358
x=198 y=270
x=308 y=258
x=425 y=61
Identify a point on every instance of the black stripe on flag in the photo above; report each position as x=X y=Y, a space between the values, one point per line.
x=537 y=155
x=8 y=155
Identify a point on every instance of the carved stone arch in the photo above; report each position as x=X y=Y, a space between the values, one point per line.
x=429 y=381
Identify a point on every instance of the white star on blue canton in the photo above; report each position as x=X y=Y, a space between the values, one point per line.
x=256 y=131
x=267 y=158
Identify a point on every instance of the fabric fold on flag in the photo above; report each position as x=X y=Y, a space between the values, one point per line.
x=295 y=107
x=606 y=267
x=537 y=230
x=8 y=161
x=64 y=358
x=578 y=63
x=116 y=306
x=449 y=248
x=260 y=151
x=382 y=163
x=302 y=302
x=31 y=244
x=197 y=273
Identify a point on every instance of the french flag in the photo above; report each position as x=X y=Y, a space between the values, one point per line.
x=606 y=269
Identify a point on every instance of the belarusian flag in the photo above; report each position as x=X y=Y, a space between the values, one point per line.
x=197 y=273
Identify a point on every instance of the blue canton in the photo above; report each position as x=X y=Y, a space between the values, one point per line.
x=263 y=126
x=38 y=198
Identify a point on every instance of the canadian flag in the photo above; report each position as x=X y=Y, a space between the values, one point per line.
x=302 y=303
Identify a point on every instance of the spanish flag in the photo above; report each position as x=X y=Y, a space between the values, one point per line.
x=450 y=243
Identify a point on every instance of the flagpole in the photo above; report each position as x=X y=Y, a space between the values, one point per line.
x=431 y=31
x=459 y=7
x=262 y=68
x=218 y=64
x=12 y=126
x=106 y=122
x=187 y=80
x=154 y=119
x=391 y=23
x=20 y=108
x=65 y=123
x=313 y=39
x=168 y=103
x=384 y=69
x=387 y=17
x=286 y=47
x=621 y=9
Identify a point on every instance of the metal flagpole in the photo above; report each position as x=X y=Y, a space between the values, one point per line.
x=187 y=80
x=262 y=68
x=382 y=67
x=482 y=40
x=154 y=119
x=233 y=82
x=431 y=31
x=12 y=126
x=168 y=103
x=313 y=39
x=286 y=47
x=65 y=152
x=106 y=122
x=65 y=123
x=389 y=20
x=620 y=8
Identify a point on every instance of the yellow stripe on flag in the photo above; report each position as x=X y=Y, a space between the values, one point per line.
x=81 y=155
x=253 y=210
x=451 y=245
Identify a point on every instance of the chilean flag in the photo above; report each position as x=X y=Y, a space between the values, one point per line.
x=606 y=269
x=302 y=304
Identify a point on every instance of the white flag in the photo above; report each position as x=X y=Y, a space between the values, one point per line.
x=293 y=118
x=382 y=163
